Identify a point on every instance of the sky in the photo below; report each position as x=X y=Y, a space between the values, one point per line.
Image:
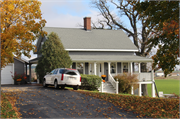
x=66 y=14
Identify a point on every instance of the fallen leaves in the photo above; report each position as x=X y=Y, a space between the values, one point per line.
x=8 y=109
x=145 y=106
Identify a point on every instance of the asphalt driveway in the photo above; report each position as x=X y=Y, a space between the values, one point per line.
x=39 y=102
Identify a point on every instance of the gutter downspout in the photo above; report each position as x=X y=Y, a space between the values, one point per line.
x=156 y=88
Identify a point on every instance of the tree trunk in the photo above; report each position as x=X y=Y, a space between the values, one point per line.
x=144 y=86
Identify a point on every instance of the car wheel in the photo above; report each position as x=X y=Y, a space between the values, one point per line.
x=76 y=87
x=62 y=87
x=44 y=83
x=56 y=85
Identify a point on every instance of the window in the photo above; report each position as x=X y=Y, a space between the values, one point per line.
x=113 y=67
x=125 y=67
x=55 y=72
x=61 y=71
x=71 y=73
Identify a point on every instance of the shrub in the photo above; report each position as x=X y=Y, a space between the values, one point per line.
x=125 y=82
x=90 y=82
x=19 y=78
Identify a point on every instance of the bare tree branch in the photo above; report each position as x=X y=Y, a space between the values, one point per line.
x=126 y=8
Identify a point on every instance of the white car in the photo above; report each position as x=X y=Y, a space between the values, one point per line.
x=63 y=77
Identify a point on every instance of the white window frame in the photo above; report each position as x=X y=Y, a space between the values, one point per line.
x=115 y=68
x=126 y=68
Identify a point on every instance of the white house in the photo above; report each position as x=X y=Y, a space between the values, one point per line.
x=108 y=52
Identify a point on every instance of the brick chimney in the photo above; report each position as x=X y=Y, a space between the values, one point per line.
x=87 y=23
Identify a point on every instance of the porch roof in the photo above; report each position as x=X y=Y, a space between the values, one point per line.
x=109 y=58
x=33 y=61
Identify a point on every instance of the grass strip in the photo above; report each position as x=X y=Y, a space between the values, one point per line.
x=145 y=106
x=8 y=109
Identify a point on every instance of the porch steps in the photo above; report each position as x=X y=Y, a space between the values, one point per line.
x=107 y=88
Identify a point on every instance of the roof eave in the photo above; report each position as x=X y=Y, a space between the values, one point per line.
x=127 y=50
x=101 y=60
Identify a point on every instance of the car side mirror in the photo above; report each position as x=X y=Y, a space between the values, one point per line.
x=47 y=73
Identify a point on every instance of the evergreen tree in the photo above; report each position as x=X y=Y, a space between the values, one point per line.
x=53 y=56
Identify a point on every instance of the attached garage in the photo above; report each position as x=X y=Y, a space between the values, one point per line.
x=19 y=67
x=6 y=74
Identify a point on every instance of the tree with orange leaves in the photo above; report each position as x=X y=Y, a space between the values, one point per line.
x=21 y=23
x=166 y=56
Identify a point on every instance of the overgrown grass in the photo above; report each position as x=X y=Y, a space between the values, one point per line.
x=7 y=110
x=145 y=106
x=168 y=86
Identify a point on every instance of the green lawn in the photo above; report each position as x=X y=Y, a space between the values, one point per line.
x=168 y=86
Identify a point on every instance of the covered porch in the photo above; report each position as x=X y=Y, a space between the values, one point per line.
x=113 y=65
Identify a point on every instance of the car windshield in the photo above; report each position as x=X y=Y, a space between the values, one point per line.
x=70 y=73
x=61 y=71
x=52 y=72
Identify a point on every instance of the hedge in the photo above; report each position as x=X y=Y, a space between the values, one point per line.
x=90 y=82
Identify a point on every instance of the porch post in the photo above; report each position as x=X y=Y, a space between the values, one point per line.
x=102 y=68
x=109 y=64
x=98 y=69
x=83 y=67
x=116 y=68
x=95 y=68
x=26 y=69
x=131 y=68
x=152 y=75
x=140 y=89
x=30 y=73
x=152 y=90
x=89 y=68
x=132 y=92
x=117 y=86
x=139 y=67
x=152 y=85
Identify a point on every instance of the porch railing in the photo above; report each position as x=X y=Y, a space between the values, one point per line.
x=144 y=76
x=113 y=82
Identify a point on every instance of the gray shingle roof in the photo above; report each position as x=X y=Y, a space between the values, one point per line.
x=109 y=58
x=76 y=38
